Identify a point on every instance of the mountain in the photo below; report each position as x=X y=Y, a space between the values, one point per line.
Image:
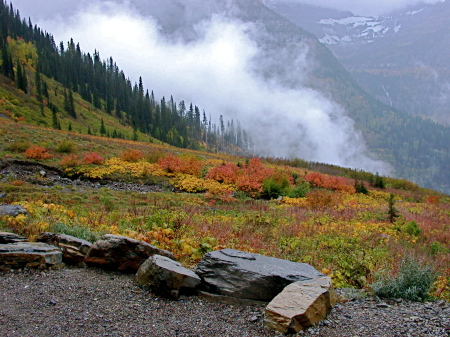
x=290 y=62
x=400 y=58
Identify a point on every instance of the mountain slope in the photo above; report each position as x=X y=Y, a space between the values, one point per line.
x=400 y=58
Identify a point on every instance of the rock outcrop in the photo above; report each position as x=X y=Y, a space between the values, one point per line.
x=166 y=277
x=29 y=254
x=6 y=237
x=250 y=276
x=74 y=249
x=12 y=210
x=300 y=305
x=121 y=253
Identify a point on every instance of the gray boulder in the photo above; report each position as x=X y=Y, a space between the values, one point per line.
x=74 y=249
x=300 y=305
x=6 y=237
x=121 y=253
x=29 y=254
x=251 y=276
x=166 y=277
x=12 y=210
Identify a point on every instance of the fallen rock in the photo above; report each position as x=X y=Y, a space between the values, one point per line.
x=251 y=276
x=6 y=237
x=166 y=277
x=29 y=254
x=121 y=253
x=74 y=249
x=300 y=305
x=12 y=210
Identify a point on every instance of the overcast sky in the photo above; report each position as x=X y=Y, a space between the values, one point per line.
x=38 y=9
x=220 y=71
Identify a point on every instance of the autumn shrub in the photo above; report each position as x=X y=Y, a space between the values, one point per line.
x=132 y=155
x=37 y=152
x=92 y=158
x=187 y=165
x=65 y=146
x=19 y=147
x=70 y=160
x=320 y=199
x=17 y=182
x=225 y=173
x=329 y=182
x=413 y=281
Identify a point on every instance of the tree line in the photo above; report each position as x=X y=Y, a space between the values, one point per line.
x=106 y=87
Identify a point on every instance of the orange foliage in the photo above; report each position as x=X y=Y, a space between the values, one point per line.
x=329 y=182
x=433 y=200
x=131 y=155
x=189 y=165
x=37 y=152
x=93 y=158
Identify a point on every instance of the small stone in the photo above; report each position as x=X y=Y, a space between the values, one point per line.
x=254 y=319
x=42 y=173
x=383 y=305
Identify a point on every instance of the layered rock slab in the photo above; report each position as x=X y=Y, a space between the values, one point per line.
x=6 y=237
x=300 y=305
x=29 y=254
x=166 y=277
x=244 y=275
x=116 y=252
x=74 y=249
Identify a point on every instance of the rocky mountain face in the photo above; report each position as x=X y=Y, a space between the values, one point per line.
x=400 y=58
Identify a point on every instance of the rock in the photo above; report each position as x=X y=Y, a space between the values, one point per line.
x=29 y=254
x=6 y=237
x=300 y=305
x=74 y=249
x=121 y=253
x=12 y=210
x=42 y=173
x=166 y=276
x=251 y=276
x=3 y=195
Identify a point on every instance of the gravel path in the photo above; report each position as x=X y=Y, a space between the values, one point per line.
x=92 y=302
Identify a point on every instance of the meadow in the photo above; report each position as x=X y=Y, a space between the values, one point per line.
x=344 y=226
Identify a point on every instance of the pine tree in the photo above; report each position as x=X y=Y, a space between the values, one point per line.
x=102 y=127
x=22 y=82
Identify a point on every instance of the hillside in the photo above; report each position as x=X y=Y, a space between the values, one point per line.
x=341 y=225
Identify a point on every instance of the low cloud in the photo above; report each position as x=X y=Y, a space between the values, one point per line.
x=223 y=71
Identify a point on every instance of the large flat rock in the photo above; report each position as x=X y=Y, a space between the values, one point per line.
x=121 y=253
x=30 y=255
x=250 y=276
x=300 y=305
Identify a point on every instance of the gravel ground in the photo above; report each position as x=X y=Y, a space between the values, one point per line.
x=92 y=302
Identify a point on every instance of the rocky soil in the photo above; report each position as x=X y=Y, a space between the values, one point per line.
x=92 y=302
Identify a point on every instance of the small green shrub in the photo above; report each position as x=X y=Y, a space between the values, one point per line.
x=65 y=146
x=413 y=281
x=18 y=147
x=272 y=189
x=299 y=191
x=78 y=232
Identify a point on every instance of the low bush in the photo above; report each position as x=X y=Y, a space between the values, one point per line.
x=65 y=146
x=37 y=152
x=18 y=146
x=413 y=281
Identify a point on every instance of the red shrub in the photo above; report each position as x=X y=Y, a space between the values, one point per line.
x=189 y=165
x=92 y=158
x=37 y=152
x=329 y=182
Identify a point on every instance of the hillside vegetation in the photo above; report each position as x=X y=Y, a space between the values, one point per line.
x=347 y=228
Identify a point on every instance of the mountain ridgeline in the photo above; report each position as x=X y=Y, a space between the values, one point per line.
x=416 y=148
x=30 y=56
